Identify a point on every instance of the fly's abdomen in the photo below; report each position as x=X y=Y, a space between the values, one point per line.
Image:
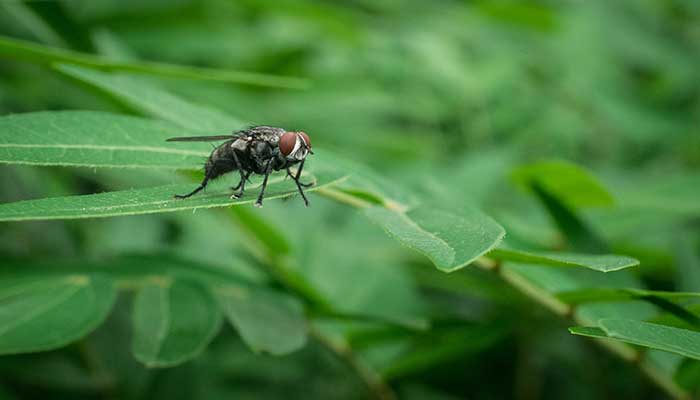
x=220 y=161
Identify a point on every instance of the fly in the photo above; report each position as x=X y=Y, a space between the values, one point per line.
x=255 y=150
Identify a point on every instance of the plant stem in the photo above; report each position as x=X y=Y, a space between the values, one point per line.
x=372 y=379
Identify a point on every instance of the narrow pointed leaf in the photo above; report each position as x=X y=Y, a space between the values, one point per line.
x=173 y=323
x=21 y=49
x=597 y=262
x=267 y=321
x=154 y=101
x=450 y=241
x=45 y=313
x=155 y=200
x=661 y=337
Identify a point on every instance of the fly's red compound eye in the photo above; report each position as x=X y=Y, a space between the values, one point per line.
x=287 y=143
x=307 y=140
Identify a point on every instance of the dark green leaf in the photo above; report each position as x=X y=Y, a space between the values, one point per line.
x=20 y=49
x=173 y=322
x=45 y=313
x=153 y=101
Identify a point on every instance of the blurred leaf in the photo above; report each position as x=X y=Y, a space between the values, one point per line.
x=675 y=193
x=597 y=262
x=680 y=341
x=153 y=101
x=687 y=263
x=44 y=313
x=267 y=234
x=450 y=241
x=95 y=139
x=441 y=346
x=663 y=300
x=579 y=235
x=32 y=22
x=267 y=321
x=153 y=200
x=568 y=182
x=173 y=322
x=24 y=50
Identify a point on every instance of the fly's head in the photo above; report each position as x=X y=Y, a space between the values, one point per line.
x=295 y=146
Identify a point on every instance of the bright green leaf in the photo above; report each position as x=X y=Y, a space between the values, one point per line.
x=675 y=340
x=579 y=235
x=45 y=313
x=450 y=241
x=569 y=182
x=173 y=322
x=597 y=262
x=154 y=200
x=95 y=139
x=267 y=321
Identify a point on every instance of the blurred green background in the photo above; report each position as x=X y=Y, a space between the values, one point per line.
x=443 y=98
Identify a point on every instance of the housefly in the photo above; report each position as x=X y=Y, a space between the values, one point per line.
x=259 y=150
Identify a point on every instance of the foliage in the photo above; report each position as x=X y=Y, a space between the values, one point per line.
x=475 y=163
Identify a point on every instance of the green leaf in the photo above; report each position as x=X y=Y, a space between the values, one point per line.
x=266 y=234
x=95 y=139
x=661 y=337
x=602 y=263
x=32 y=21
x=153 y=101
x=570 y=183
x=589 y=331
x=173 y=322
x=267 y=321
x=663 y=300
x=33 y=52
x=450 y=241
x=156 y=199
x=441 y=346
x=688 y=262
x=580 y=236
x=45 y=313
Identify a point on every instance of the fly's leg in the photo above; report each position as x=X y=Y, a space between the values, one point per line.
x=268 y=170
x=299 y=184
x=239 y=168
x=241 y=186
x=197 y=190
x=296 y=178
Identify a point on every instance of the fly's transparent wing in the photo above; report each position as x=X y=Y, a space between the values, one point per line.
x=200 y=138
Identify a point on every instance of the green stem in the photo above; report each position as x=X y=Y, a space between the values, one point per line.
x=372 y=379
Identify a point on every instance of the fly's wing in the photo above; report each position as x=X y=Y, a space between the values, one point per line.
x=200 y=138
